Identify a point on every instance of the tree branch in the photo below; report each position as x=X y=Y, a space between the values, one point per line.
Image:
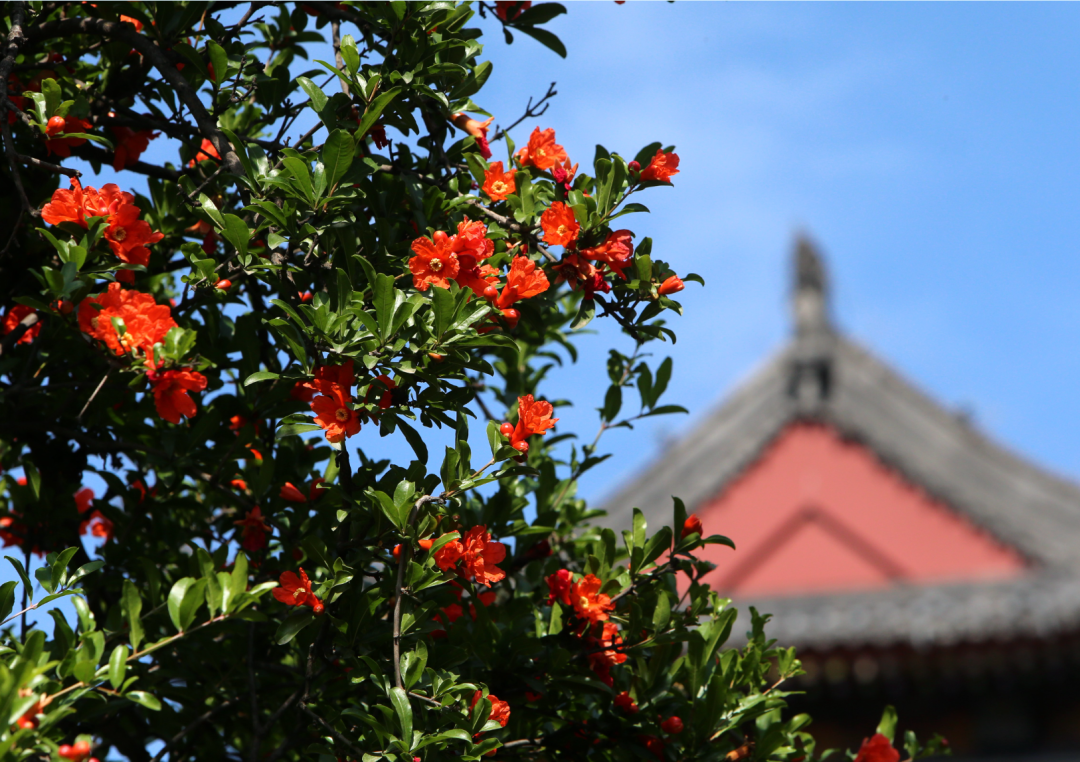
x=15 y=39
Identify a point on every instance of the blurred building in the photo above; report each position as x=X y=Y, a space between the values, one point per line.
x=911 y=559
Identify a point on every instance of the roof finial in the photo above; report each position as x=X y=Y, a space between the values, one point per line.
x=810 y=299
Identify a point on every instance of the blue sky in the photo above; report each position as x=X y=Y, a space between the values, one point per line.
x=932 y=151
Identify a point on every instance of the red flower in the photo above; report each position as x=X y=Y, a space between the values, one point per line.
x=448 y=555
x=205 y=153
x=296 y=591
x=238 y=484
x=292 y=494
x=616 y=251
x=478 y=130
x=480 y=554
x=672 y=725
x=84 y=498
x=877 y=748
x=498 y=184
x=472 y=242
x=130 y=145
x=128 y=19
x=11 y=531
x=377 y=133
x=98 y=525
x=253 y=530
x=662 y=167
x=524 y=280
x=65 y=205
x=533 y=418
x=560 y=225
x=145 y=321
x=434 y=262
x=624 y=702
x=601 y=662
x=302 y=391
x=672 y=285
x=508 y=10
x=500 y=710
x=653 y=744
x=589 y=603
x=62 y=146
x=334 y=414
x=559 y=586
x=13 y=317
x=692 y=525
x=128 y=236
x=171 y=389
x=81 y=749
x=542 y=151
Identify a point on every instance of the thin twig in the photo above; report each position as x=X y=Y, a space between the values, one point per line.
x=403 y=563
x=531 y=112
x=15 y=39
x=97 y=389
x=194 y=724
x=335 y=31
x=46 y=165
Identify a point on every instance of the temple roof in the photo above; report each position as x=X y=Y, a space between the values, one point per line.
x=823 y=377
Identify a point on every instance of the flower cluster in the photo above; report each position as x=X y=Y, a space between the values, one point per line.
x=593 y=609
x=131 y=321
x=477 y=555
x=333 y=404
x=500 y=710
x=96 y=523
x=130 y=145
x=127 y=235
x=534 y=417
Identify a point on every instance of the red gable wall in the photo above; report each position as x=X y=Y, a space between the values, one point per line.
x=817 y=513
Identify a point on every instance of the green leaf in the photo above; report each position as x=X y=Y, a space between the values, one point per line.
x=220 y=59
x=555 y=624
x=443 y=303
x=403 y=709
x=384 y=303
x=297 y=619
x=295 y=429
x=262 y=375
x=415 y=441
x=887 y=726
x=142 y=698
x=656 y=545
x=239 y=575
x=33 y=476
x=58 y=570
x=118 y=666
x=176 y=599
x=337 y=155
x=586 y=312
x=237 y=233
x=374 y=110
x=640 y=525
x=663 y=375
x=662 y=612
x=540 y=14
x=7 y=599
x=211 y=210
x=545 y=38
x=612 y=403
x=21 y=570
x=301 y=172
x=317 y=96
x=131 y=606
x=194 y=597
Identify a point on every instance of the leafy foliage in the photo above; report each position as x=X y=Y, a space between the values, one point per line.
x=259 y=594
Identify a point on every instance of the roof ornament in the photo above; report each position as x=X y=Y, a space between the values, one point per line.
x=810 y=300
x=811 y=377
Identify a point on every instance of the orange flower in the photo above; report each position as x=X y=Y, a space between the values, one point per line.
x=877 y=748
x=478 y=130
x=498 y=184
x=500 y=710
x=559 y=586
x=480 y=556
x=601 y=662
x=542 y=151
x=171 y=389
x=434 y=262
x=145 y=321
x=448 y=555
x=524 y=280
x=616 y=251
x=589 y=603
x=384 y=382
x=662 y=167
x=334 y=414
x=327 y=379
x=106 y=202
x=130 y=143
x=62 y=146
x=128 y=235
x=128 y=19
x=672 y=285
x=533 y=418
x=205 y=153
x=253 y=530
x=239 y=484
x=560 y=225
x=13 y=317
x=692 y=525
x=471 y=241
x=65 y=205
x=296 y=591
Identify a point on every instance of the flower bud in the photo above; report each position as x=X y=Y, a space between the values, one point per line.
x=436 y=357
x=672 y=285
x=55 y=125
x=223 y=285
x=634 y=167
x=522 y=446
x=506 y=429
x=491 y=292
x=692 y=525
x=672 y=725
x=426 y=544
